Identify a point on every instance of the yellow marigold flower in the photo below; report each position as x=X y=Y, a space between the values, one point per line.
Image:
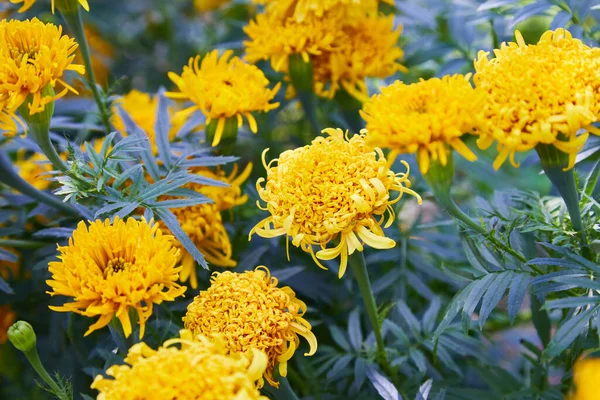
x=7 y=318
x=209 y=5
x=224 y=87
x=300 y=9
x=34 y=55
x=27 y=4
x=198 y=369
x=34 y=170
x=539 y=94
x=425 y=118
x=109 y=269
x=336 y=189
x=142 y=108
x=343 y=50
x=586 y=378
x=367 y=48
x=203 y=223
x=249 y=311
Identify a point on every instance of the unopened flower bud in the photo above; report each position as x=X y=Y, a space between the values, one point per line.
x=22 y=336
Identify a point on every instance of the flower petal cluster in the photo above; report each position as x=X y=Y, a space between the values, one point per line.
x=426 y=118
x=249 y=311
x=198 y=369
x=203 y=223
x=586 y=375
x=142 y=109
x=27 y=4
x=337 y=189
x=33 y=55
x=224 y=87
x=346 y=41
x=110 y=269
x=539 y=94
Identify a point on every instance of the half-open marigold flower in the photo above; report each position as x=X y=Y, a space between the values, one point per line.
x=110 y=269
x=34 y=55
x=198 y=369
x=27 y=4
x=425 y=118
x=203 y=223
x=250 y=312
x=224 y=87
x=539 y=94
x=142 y=108
x=336 y=189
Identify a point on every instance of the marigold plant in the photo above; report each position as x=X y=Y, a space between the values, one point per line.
x=199 y=369
x=337 y=189
x=250 y=312
x=425 y=118
x=542 y=93
x=109 y=269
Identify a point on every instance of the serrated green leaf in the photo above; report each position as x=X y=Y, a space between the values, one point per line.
x=568 y=331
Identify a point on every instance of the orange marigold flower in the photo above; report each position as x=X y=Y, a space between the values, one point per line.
x=224 y=87
x=539 y=94
x=110 y=268
x=198 y=369
x=335 y=189
x=249 y=311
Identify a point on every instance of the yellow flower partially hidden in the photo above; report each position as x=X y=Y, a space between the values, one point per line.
x=27 y=4
x=539 y=94
x=249 y=311
x=34 y=55
x=203 y=223
x=345 y=44
x=7 y=318
x=209 y=5
x=425 y=118
x=198 y=369
x=224 y=87
x=142 y=108
x=34 y=170
x=300 y=9
x=336 y=189
x=110 y=269
x=586 y=380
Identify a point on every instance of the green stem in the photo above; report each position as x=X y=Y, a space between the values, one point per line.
x=307 y=99
x=22 y=244
x=350 y=107
x=116 y=332
x=359 y=269
x=9 y=177
x=74 y=20
x=41 y=135
x=34 y=360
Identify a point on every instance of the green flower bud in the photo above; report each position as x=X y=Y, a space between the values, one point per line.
x=22 y=336
x=301 y=73
x=440 y=178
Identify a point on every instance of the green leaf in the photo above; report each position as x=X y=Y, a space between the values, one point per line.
x=516 y=294
x=568 y=331
x=493 y=295
x=592 y=179
x=384 y=387
x=161 y=127
x=455 y=306
x=5 y=287
x=571 y=302
x=541 y=321
x=339 y=338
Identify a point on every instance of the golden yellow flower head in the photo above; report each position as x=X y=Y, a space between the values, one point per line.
x=368 y=47
x=7 y=318
x=249 y=311
x=224 y=87
x=209 y=5
x=425 y=118
x=344 y=49
x=337 y=188
x=34 y=55
x=586 y=378
x=142 y=108
x=203 y=223
x=539 y=94
x=198 y=369
x=111 y=268
x=27 y=4
x=300 y=9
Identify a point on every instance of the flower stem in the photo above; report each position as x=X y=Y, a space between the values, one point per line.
x=118 y=336
x=22 y=244
x=359 y=269
x=41 y=135
x=34 y=360
x=75 y=22
x=9 y=177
